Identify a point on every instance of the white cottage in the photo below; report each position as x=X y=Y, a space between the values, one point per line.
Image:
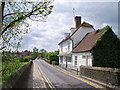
x=69 y=57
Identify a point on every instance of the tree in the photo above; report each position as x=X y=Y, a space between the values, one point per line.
x=51 y=56
x=35 y=53
x=15 y=16
x=43 y=53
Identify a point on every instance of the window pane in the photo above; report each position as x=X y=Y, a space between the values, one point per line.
x=83 y=57
x=69 y=59
x=61 y=59
x=75 y=60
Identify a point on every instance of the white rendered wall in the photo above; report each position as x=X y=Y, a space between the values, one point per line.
x=63 y=47
x=80 y=60
x=81 y=32
x=64 y=60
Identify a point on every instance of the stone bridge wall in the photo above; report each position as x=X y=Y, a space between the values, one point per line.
x=106 y=75
x=10 y=82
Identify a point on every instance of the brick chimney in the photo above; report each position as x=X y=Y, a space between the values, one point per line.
x=77 y=21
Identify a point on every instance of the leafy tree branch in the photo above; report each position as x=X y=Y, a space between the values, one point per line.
x=16 y=14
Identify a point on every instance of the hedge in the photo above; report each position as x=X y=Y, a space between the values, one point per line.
x=106 y=52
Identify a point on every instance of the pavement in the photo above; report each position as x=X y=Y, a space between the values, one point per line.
x=38 y=81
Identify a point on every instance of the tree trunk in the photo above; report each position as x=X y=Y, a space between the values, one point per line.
x=2 y=4
x=0 y=16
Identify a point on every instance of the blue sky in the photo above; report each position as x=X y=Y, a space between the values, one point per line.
x=48 y=34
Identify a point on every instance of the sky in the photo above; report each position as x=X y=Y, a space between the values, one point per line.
x=47 y=35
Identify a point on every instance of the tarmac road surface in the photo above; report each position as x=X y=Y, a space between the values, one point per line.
x=60 y=79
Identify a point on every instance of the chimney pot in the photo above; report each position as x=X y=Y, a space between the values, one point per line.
x=72 y=30
x=66 y=34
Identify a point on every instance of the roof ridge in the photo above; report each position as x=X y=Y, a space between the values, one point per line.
x=87 y=23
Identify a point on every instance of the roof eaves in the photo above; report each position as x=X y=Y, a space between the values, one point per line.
x=63 y=40
x=83 y=51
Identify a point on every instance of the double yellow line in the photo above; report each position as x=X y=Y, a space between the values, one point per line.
x=51 y=86
x=88 y=82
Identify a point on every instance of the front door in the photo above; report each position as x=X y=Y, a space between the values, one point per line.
x=61 y=59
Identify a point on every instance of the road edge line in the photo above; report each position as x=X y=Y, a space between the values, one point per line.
x=46 y=79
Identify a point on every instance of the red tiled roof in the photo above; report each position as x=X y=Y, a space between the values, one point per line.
x=83 y=24
x=88 y=41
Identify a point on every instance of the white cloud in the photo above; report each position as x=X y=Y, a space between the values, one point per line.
x=48 y=34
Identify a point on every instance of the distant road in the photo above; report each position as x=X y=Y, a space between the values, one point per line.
x=60 y=79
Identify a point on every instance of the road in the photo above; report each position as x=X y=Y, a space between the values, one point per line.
x=59 y=79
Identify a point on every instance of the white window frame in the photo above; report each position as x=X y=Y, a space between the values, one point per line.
x=61 y=48
x=68 y=46
x=69 y=59
x=76 y=60
x=83 y=57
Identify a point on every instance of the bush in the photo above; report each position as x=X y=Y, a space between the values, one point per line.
x=26 y=59
x=54 y=58
x=21 y=59
x=8 y=58
x=51 y=56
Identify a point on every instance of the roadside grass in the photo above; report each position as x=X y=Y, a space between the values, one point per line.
x=8 y=68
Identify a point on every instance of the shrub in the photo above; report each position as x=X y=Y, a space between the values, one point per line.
x=9 y=58
x=26 y=59
x=51 y=56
